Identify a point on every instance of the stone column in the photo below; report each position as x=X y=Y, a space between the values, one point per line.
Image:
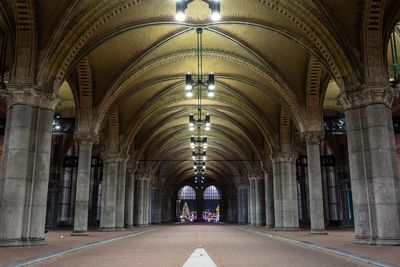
x=277 y=191
x=239 y=205
x=242 y=205
x=109 y=192
x=285 y=192
x=259 y=200
x=120 y=200
x=85 y=141
x=252 y=202
x=230 y=207
x=26 y=166
x=372 y=158
x=139 y=201
x=269 y=199
x=313 y=141
x=130 y=196
x=159 y=207
x=146 y=202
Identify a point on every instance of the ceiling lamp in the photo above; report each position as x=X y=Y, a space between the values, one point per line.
x=181 y=6
x=199 y=156
x=215 y=10
x=214 y=5
x=189 y=85
x=199 y=82
x=192 y=122
x=208 y=122
x=199 y=122
x=211 y=85
x=197 y=142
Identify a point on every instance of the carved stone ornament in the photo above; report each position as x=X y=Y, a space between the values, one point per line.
x=29 y=96
x=49 y=101
x=367 y=96
x=313 y=137
x=284 y=157
x=87 y=138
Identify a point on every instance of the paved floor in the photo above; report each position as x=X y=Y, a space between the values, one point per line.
x=226 y=245
x=341 y=240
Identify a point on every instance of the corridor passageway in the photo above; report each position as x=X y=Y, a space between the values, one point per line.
x=171 y=246
x=123 y=120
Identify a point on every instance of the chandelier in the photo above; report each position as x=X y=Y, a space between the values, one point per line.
x=199 y=122
x=214 y=5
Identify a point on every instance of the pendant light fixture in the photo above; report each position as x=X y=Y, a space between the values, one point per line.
x=214 y=5
x=199 y=122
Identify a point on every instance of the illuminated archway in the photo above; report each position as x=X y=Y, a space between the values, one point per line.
x=212 y=204
x=186 y=204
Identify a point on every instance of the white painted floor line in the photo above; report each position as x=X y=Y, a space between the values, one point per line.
x=199 y=258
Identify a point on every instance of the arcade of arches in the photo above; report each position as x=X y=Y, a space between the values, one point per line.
x=95 y=117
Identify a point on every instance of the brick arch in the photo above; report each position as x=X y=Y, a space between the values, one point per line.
x=314 y=107
x=338 y=60
x=285 y=132
x=113 y=137
x=85 y=95
x=373 y=55
x=25 y=57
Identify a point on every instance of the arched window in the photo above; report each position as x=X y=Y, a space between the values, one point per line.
x=212 y=204
x=186 y=204
x=211 y=193
x=187 y=192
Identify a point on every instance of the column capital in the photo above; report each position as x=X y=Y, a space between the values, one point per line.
x=284 y=157
x=313 y=137
x=380 y=93
x=24 y=94
x=86 y=138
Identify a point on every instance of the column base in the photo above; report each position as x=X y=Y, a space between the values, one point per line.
x=376 y=241
x=142 y=225
x=287 y=229
x=318 y=232
x=23 y=242
x=111 y=229
x=129 y=227
x=83 y=233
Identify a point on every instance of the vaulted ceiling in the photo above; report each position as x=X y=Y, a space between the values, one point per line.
x=139 y=54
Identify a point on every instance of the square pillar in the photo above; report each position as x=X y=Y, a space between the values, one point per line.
x=373 y=164
x=26 y=166
x=313 y=141
x=285 y=192
x=85 y=141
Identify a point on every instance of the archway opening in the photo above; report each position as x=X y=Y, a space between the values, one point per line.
x=212 y=204
x=186 y=208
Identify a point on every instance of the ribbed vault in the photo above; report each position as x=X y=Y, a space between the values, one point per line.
x=137 y=54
